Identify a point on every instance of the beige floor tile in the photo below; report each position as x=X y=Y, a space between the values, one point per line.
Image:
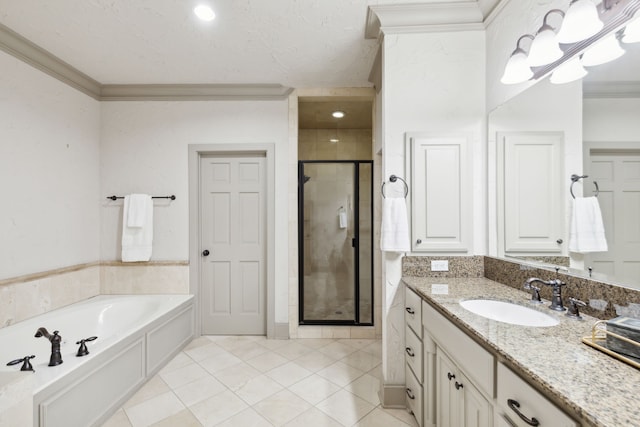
x=230 y=343
x=315 y=361
x=219 y=362
x=267 y=361
x=273 y=344
x=257 y=389
x=358 y=343
x=204 y=351
x=289 y=373
x=246 y=418
x=153 y=410
x=401 y=414
x=379 y=418
x=313 y=417
x=316 y=343
x=237 y=375
x=337 y=350
x=248 y=350
x=154 y=387
x=119 y=419
x=340 y=373
x=199 y=390
x=181 y=376
x=184 y=418
x=366 y=387
x=362 y=360
x=293 y=350
x=197 y=342
x=314 y=389
x=218 y=408
x=179 y=361
x=281 y=407
x=345 y=407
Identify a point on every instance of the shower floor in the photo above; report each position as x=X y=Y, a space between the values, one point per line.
x=325 y=298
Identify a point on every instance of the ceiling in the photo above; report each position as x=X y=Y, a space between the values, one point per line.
x=295 y=43
x=316 y=114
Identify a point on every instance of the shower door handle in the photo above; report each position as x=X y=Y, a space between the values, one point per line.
x=353 y=242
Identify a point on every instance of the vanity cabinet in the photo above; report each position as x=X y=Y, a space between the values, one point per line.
x=413 y=354
x=459 y=403
x=518 y=402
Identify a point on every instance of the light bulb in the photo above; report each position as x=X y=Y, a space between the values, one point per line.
x=604 y=50
x=569 y=71
x=581 y=21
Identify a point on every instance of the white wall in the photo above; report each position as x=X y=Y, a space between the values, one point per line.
x=49 y=179
x=611 y=120
x=144 y=148
x=432 y=82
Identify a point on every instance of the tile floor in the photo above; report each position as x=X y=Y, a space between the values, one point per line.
x=253 y=382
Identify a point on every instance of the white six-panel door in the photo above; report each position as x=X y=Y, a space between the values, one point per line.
x=233 y=244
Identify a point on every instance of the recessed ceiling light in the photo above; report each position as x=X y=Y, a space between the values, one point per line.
x=204 y=12
x=338 y=114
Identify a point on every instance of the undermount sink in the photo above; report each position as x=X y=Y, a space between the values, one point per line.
x=508 y=313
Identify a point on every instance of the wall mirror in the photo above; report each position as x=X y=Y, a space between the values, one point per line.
x=538 y=139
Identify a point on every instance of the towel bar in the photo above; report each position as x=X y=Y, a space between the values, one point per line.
x=575 y=178
x=172 y=197
x=394 y=178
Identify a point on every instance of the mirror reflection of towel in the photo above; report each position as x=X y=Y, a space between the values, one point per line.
x=137 y=228
x=395 y=225
x=587 y=228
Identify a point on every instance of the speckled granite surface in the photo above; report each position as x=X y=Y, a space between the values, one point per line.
x=459 y=266
x=595 y=389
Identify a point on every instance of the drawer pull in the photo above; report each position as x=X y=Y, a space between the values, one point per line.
x=459 y=385
x=410 y=310
x=409 y=351
x=514 y=405
x=450 y=376
x=410 y=394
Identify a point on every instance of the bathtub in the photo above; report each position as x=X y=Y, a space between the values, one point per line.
x=137 y=335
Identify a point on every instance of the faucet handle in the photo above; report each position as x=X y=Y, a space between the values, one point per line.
x=535 y=293
x=573 y=310
x=83 y=350
x=26 y=364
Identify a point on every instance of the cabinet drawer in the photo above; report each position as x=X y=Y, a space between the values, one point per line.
x=531 y=403
x=477 y=362
x=413 y=310
x=413 y=395
x=413 y=352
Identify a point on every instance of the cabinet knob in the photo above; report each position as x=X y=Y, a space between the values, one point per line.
x=418 y=241
x=559 y=241
x=410 y=310
x=450 y=376
x=205 y=252
x=459 y=385
x=409 y=351
x=514 y=405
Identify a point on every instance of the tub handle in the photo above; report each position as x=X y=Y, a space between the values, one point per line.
x=83 y=350
x=26 y=365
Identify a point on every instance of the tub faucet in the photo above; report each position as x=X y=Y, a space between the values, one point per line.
x=556 y=300
x=55 y=339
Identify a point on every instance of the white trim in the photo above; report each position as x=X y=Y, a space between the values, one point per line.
x=195 y=153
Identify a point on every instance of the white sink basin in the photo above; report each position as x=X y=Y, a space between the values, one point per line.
x=508 y=313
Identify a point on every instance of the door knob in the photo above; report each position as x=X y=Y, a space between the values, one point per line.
x=205 y=252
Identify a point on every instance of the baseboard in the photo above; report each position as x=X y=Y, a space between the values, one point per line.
x=393 y=396
x=281 y=331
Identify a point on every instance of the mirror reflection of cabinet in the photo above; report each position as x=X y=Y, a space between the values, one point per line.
x=530 y=180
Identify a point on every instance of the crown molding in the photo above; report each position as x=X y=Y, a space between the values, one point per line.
x=422 y=17
x=21 y=48
x=193 y=92
x=595 y=90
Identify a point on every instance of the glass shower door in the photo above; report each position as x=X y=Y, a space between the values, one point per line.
x=330 y=235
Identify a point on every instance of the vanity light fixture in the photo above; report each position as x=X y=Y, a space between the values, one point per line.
x=338 y=114
x=632 y=31
x=569 y=71
x=604 y=50
x=204 y=12
x=580 y=22
x=517 y=69
x=545 y=48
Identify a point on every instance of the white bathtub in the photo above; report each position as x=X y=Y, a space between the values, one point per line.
x=137 y=335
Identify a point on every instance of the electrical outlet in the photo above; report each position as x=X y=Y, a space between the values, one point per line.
x=440 y=265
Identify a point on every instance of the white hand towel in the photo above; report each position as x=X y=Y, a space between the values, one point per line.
x=587 y=228
x=394 y=236
x=137 y=241
x=137 y=211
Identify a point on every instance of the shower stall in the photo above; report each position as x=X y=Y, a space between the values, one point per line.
x=335 y=220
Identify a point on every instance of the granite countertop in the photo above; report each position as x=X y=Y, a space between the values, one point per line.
x=594 y=388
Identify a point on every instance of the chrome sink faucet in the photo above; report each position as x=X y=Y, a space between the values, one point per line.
x=556 y=300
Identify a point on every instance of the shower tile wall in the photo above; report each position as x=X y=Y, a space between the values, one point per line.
x=353 y=144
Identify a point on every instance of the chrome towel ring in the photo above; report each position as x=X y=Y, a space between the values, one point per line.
x=394 y=178
x=575 y=178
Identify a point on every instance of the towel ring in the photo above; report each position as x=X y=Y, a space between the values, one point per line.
x=394 y=178
x=575 y=178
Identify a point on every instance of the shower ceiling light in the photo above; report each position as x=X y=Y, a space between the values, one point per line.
x=334 y=140
x=580 y=22
x=204 y=12
x=545 y=48
x=338 y=114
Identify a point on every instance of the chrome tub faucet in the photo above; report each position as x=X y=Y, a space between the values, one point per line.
x=55 y=339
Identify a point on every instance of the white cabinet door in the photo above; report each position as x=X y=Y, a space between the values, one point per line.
x=531 y=184
x=477 y=411
x=429 y=381
x=440 y=193
x=448 y=400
